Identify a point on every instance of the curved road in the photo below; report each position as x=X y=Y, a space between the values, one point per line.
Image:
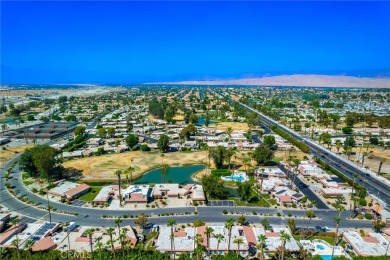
x=93 y=216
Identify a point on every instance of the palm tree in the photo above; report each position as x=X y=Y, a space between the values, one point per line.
x=262 y=178
x=338 y=146
x=220 y=237
x=118 y=222
x=122 y=237
x=261 y=239
x=99 y=245
x=28 y=245
x=238 y=241
x=305 y=254
x=129 y=171
x=171 y=223
x=16 y=243
x=209 y=232
x=199 y=249
x=162 y=158
x=110 y=231
x=381 y=161
x=14 y=222
x=126 y=244
x=310 y=214
x=284 y=237
x=364 y=155
x=229 y=223
x=209 y=155
x=229 y=154
x=89 y=233
x=340 y=209
x=246 y=161
x=118 y=173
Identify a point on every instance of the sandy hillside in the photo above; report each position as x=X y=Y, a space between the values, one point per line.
x=300 y=80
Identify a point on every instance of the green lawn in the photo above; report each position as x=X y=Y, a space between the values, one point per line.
x=92 y=194
x=27 y=182
x=277 y=159
x=260 y=203
x=272 y=201
x=25 y=175
x=330 y=240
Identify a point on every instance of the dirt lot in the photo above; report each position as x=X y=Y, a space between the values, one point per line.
x=233 y=125
x=6 y=155
x=103 y=167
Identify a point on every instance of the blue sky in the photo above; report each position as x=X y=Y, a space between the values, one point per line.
x=127 y=42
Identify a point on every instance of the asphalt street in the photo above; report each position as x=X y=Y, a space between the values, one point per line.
x=374 y=186
x=93 y=216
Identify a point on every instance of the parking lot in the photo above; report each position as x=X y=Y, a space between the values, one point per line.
x=78 y=203
x=221 y=203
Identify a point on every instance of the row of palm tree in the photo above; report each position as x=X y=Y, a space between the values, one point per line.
x=125 y=244
x=199 y=249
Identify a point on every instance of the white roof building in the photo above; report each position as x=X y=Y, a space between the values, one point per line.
x=373 y=245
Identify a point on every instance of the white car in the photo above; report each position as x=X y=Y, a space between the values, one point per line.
x=326 y=229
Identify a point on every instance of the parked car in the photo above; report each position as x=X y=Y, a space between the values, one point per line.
x=319 y=228
x=326 y=229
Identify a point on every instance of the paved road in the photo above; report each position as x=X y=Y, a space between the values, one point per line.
x=377 y=188
x=91 y=216
x=306 y=190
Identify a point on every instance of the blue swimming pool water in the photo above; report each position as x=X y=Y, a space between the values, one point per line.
x=320 y=247
x=327 y=257
x=235 y=178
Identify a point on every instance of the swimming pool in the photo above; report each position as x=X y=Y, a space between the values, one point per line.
x=234 y=178
x=328 y=257
x=320 y=247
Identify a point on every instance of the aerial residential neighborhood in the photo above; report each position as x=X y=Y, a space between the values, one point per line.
x=204 y=177
x=195 y=130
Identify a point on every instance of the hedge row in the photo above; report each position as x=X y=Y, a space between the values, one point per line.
x=221 y=172
x=303 y=147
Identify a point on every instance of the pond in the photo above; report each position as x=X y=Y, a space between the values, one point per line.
x=202 y=119
x=180 y=174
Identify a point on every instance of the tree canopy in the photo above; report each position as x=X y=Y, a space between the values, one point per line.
x=263 y=154
x=39 y=161
x=131 y=141
x=219 y=156
x=163 y=143
x=214 y=187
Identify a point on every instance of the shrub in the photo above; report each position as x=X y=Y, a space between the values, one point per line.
x=278 y=214
x=225 y=211
x=368 y=216
x=359 y=216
